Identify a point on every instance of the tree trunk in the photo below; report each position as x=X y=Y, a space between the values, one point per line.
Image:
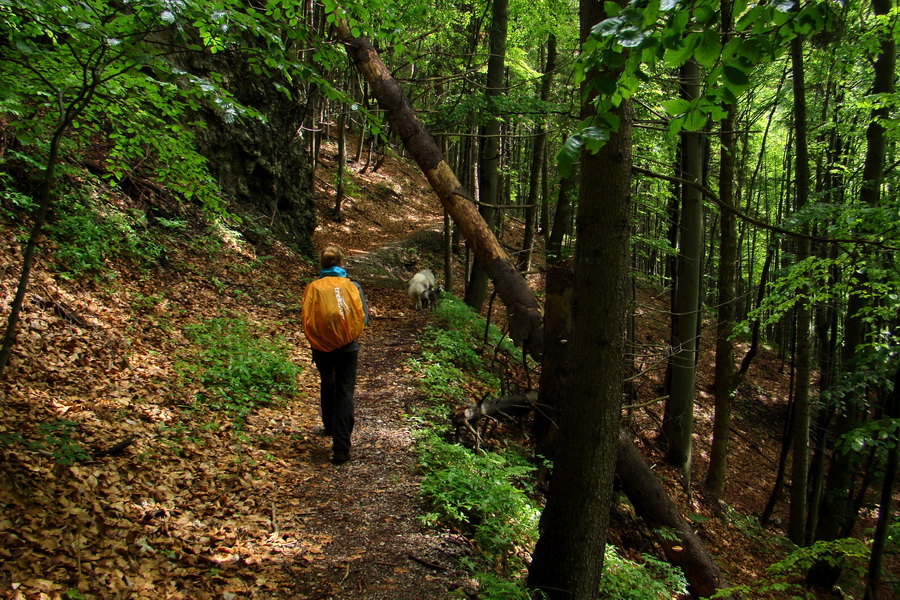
x=561 y=219
x=650 y=500
x=834 y=509
x=524 y=313
x=341 y=166
x=568 y=558
x=725 y=381
x=45 y=199
x=679 y=419
x=555 y=360
x=537 y=159
x=873 y=577
x=489 y=163
x=802 y=408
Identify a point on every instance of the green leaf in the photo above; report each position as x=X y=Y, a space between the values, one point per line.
x=630 y=37
x=695 y=121
x=607 y=27
x=748 y=19
x=736 y=77
x=568 y=155
x=676 y=107
x=605 y=85
x=675 y=57
x=704 y=14
x=594 y=138
x=709 y=50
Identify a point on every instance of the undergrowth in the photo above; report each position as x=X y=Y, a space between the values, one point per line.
x=489 y=495
x=237 y=367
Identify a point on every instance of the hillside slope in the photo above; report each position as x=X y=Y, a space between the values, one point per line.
x=194 y=507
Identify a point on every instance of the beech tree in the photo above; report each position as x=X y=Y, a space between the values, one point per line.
x=568 y=557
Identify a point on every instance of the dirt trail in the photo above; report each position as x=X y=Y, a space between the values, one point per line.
x=365 y=513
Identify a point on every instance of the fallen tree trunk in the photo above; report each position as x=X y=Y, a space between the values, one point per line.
x=653 y=505
x=649 y=498
x=524 y=314
x=504 y=405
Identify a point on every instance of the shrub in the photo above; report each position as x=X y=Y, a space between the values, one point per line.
x=238 y=368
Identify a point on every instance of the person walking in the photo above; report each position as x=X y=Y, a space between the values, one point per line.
x=334 y=314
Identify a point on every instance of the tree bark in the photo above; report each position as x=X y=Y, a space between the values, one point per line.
x=45 y=198
x=876 y=559
x=725 y=381
x=650 y=500
x=341 y=166
x=555 y=360
x=654 y=506
x=561 y=219
x=802 y=408
x=834 y=509
x=489 y=162
x=537 y=159
x=679 y=418
x=524 y=313
x=568 y=558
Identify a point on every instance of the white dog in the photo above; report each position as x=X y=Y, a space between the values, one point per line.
x=419 y=287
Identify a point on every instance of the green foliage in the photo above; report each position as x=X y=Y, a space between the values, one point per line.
x=647 y=35
x=787 y=575
x=649 y=579
x=87 y=236
x=479 y=491
x=882 y=434
x=85 y=240
x=76 y=73
x=238 y=368
x=458 y=316
x=56 y=438
x=485 y=494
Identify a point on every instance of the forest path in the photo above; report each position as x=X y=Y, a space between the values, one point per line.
x=362 y=517
x=365 y=513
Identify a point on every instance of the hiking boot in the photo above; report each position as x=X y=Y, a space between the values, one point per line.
x=339 y=458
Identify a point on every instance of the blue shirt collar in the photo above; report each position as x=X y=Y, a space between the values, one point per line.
x=332 y=272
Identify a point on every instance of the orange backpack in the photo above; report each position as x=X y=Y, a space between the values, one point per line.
x=333 y=314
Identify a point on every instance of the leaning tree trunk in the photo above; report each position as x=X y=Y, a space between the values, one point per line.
x=524 y=313
x=45 y=199
x=653 y=505
x=641 y=485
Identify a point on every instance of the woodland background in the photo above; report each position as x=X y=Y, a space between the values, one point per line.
x=659 y=193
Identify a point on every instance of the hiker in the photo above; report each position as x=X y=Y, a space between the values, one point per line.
x=334 y=315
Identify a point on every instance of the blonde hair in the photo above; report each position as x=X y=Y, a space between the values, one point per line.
x=331 y=257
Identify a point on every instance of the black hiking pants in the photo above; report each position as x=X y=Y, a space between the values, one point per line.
x=337 y=370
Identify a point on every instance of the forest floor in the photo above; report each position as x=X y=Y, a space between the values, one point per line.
x=194 y=508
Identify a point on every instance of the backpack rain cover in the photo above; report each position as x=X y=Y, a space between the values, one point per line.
x=333 y=313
